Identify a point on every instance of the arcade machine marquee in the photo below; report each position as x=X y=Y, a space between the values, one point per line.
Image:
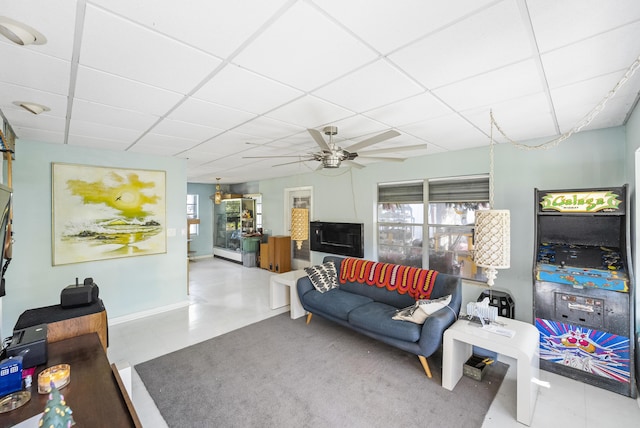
x=583 y=286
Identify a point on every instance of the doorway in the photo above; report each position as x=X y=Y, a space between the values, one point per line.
x=299 y=197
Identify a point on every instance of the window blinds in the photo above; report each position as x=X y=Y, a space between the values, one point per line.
x=472 y=189
x=401 y=192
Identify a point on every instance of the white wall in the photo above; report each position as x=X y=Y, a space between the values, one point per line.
x=127 y=285
x=632 y=167
x=588 y=159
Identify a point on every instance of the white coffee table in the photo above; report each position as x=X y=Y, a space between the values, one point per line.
x=279 y=296
x=460 y=338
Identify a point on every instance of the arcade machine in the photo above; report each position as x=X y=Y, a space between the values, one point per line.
x=583 y=291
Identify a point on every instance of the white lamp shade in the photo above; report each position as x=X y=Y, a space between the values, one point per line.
x=492 y=245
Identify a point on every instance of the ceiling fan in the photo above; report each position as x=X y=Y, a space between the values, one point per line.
x=332 y=156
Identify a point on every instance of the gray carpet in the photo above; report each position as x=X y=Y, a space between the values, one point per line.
x=283 y=373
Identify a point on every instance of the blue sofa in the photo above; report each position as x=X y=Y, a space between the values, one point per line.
x=369 y=310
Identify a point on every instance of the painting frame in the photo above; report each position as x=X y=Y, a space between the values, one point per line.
x=102 y=213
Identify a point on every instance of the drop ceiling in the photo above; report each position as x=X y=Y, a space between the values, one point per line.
x=215 y=82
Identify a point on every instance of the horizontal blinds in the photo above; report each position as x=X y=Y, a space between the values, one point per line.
x=459 y=189
x=401 y=192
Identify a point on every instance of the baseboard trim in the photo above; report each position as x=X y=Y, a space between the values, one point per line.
x=147 y=313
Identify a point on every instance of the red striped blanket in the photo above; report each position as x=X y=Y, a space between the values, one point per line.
x=416 y=282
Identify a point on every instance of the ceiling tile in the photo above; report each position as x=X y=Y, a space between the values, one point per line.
x=10 y=93
x=415 y=17
x=490 y=39
x=165 y=145
x=104 y=88
x=372 y=86
x=268 y=128
x=559 y=23
x=304 y=48
x=519 y=118
x=32 y=69
x=310 y=112
x=209 y=25
x=36 y=134
x=97 y=142
x=417 y=108
x=20 y=118
x=95 y=130
x=513 y=81
x=88 y=111
x=592 y=57
x=244 y=90
x=140 y=54
x=179 y=129
x=573 y=102
x=208 y=114
x=449 y=132
x=59 y=32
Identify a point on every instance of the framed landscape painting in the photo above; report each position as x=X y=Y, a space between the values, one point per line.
x=104 y=213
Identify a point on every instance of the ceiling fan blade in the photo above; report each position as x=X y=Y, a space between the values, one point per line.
x=317 y=136
x=268 y=157
x=353 y=164
x=393 y=150
x=289 y=163
x=383 y=159
x=373 y=140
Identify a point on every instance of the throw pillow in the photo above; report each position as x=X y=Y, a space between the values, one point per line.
x=324 y=277
x=418 y=312
x=412 y=314
x=431 y=306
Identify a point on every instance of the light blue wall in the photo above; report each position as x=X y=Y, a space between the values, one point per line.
x=127 y=285
x=588 y=159
x=202 y=244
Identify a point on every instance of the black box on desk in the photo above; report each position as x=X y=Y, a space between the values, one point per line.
x=31 y=344
x=79 y=294
x=475 y=367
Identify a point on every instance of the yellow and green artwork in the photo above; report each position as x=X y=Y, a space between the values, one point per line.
x=104 y=213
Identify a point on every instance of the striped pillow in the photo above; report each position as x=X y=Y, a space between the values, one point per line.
x=324 y=277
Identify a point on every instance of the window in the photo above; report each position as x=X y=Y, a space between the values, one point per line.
x=451 y=217
x=401 y=223
x=192 y=212
x=258 y=214
x=450 y=205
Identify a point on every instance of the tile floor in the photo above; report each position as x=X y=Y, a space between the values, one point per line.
x=226 y=296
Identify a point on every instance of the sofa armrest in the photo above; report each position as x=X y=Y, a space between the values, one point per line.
x=435 y=325
x=433 y=330
x=304 y=286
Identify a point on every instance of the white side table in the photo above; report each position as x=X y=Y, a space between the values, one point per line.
x=278 y=296
x=523 y=347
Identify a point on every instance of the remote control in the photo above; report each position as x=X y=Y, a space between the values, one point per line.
x=499 y=330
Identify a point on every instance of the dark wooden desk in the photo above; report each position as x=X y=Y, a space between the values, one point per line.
x=94 y=393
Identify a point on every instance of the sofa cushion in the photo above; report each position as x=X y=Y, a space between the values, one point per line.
x=377 y=317
x=324 y=277
x=335 y=302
